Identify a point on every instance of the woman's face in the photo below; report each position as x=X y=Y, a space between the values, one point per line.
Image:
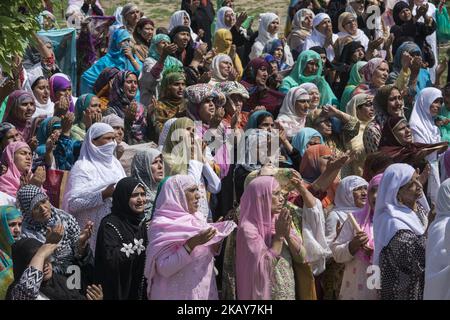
x=182 y=39
x=405 y=15
x=313 y=141
x=11 y=136
x=63 y=93
x=278 y=53
x=403 y=133
x=133 y=17
x=118 y=134
x=23 y=160
x=157 y=169
x=360 y=196
x=277 y=201
x=225 y=68
x=267 y=124
x=261 y=76
x=25 y=110
x=137 y=200
x=324 y=26
x=94 y=105
x=130 y=86
x=395 y=104
x=186 y=21
x=307 y=21
x=435 y=107
x=192 y=199
x=372 y=196
x=410 y=192
x=229 y=19
x=273 y=26
x=147 y=32
x=302 y=107
x=104 y=139
x=351 y=26
x=358 y=55
x=42 y=211
x=207 y=110
x=365 y=112
x=358 y=6
x=380 y=75
x=314 y=95
x=160 y=46
x=238 y=102
x=42 y=91
x=311 y=68
x=15 y=227
x=324 y=127
x=229 y=3
x=176 y=89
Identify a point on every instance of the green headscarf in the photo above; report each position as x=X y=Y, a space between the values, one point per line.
x=153 y=53
x=354 y=80
x=297 y=78
x=82 y=104
x=171 y=75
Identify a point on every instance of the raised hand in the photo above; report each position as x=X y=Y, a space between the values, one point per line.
x=86 y=234
x=358 y=241
x=39 y=177
x=33 y=143
x=67 y=122
x=130 y=112
x=201 y=238
x=283 y=224
x=240 y=19
x=61 y=106
x=94 y=292
x=54 y=235
x=50 y=144
x=108 y=191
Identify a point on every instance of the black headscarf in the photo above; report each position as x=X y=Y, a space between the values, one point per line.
x=120 y=199
x=399 y=6
x=348 y=50
x=56 y=288
x=105 y=76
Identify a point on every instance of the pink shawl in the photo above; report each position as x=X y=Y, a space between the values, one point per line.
x=364 y=218
x=10 y=181
x=172 y=225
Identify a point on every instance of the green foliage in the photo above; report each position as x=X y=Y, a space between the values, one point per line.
x=17 y=24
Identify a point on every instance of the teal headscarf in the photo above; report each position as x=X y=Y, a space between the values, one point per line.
x=82 y=104
x=301 y=139
x=158 y=191
x=7 y=213
x=44 y=131
x=354 y=80
x=252 y=122
x=297 y=78
x=170 y=61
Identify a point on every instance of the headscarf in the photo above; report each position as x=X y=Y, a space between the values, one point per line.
x=309 y=166
x=317 y=38
x=7 y=213
x=390 y=215
x=118 y=100
x=15 y=99
x=4 y=129
x=47 y=14
x=153 y=53
x=229 y=88
x=255 y=117
x=164 y=132
x=436 y=260
x=59 y=82
x=270 y=48
x=223 y=40
x=220 y=23
x=380 y=102
x=114 y=121
x=399 y=6
x=288 y=116
x=42 y=109
x=302 y=138
x=252 y=68
x=141 y=170
x=172 y=224
x=370 y=68
x=170 y=76
x=140 y=25
x=354 y=80
x=176 y=20
x=120 y=202
x=296 y=77
x=343 y=199
x=421 y=122
x=81 y=106
x=265 y=19
x=103 y=79
x=44 y=131
x=299 y=17
x=198 y=93
x=360 y=35
x=126 y=10
x=215 y=66
x=10 y=181
x=364 y=218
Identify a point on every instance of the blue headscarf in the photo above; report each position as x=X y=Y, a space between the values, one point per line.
x=253 y=119
x=302 y=138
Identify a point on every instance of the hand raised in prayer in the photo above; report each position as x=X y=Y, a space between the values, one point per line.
x=201 y=33
x=233 y=74
x=217 y=117
x=336 y=163
x=88 y=118
x=406 y=60
x=375 y=44
x=120 y=150
x=46 y=250
x=86 y=234
x=61 y=106
x=422 y=10
x=130 y=112
x=94 y=292
x=201 y=238
x=39 y=177
x=423 y=177
x=235 y=119
x=25 y=179
x=388 y=42
x=205 y=77
x=33 y=143
x=169 y=50
x=108 y=191
x=55 y=234
x=67 y=122
x=128 y=52
x=50 y=145
x=240 y=19
x=416 y=64
x=358 y=241
x=297 y=181
x=283 y=224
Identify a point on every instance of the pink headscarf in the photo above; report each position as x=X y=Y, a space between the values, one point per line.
x=15 y=99
x=370 y=68
x=173 y=225
x=10 y=181
x=254 y=257
x=364 y=218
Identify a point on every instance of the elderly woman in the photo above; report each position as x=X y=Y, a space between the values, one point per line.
x=8 y=134
x=130 y=16
x=222 y=69
x=294 y=110
x=182 y=245
x=92 y=179
x=399 y=227
x=302 y=26
x=348 y=27
x=223 y=43
x=275 y=48
x=19 y=111
x=308 y=68
x=237 y=97
x=322 y=35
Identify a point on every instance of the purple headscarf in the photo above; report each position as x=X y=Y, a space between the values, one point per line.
x=59 y=82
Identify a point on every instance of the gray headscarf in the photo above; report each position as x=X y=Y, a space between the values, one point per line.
x=141 y=170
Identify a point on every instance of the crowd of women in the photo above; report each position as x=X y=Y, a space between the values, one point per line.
x=219 y=157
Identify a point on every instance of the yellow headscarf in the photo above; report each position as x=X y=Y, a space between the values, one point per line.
x=223 y=40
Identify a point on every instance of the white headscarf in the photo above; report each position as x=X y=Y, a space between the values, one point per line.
x=299 y=18
x=317 y=38
x=96 y=168
x=288 y=116
x=421 y=122
x=360 y=35
x=46 y=109
x=343 y=199
x=391 y=216
x=215 y=67
x=220 y=24
x=165 y=132
x=265 y=19
x=437 y=261
x=177 y=20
